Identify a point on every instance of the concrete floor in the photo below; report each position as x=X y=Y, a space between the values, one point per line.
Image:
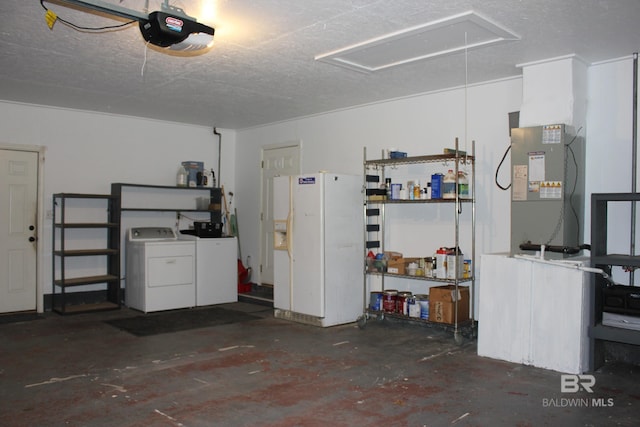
x=79 y=371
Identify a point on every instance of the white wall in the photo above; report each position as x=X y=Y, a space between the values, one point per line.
x=425 y=124
x=86 y=152
x=419 y=125
x=609 y=148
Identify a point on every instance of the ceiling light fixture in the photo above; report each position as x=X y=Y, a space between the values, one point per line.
x=169 y=28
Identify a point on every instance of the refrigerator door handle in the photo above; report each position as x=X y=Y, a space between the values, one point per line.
x=289 y=234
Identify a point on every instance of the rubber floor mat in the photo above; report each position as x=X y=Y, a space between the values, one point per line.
x=179 y=320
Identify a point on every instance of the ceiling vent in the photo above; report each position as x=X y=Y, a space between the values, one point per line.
x=447 y=36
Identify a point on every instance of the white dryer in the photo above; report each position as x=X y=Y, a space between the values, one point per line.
x=160 y=270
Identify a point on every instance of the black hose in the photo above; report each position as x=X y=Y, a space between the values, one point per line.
x=498 y=170
x=569 y=250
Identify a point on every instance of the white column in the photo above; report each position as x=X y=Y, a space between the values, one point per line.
x=554 y=91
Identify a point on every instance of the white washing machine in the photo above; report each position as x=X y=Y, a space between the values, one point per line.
x=160 y=270
x=216 y=269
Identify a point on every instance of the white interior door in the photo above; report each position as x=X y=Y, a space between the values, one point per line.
x=18 y=234
x=277 y=161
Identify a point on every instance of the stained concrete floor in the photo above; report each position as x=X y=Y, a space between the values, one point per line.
x=79 y=371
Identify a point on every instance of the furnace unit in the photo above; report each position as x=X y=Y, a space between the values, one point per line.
x=547 y=190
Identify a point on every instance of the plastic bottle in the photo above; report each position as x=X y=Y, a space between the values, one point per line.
x=416 y=191
x=403 y=194
x=181 y=177
x=449 y=185
x=441 y=263
x=436 y=186
x=455 y=259
x=463 y=185
x=191 y=181
x=207 y=178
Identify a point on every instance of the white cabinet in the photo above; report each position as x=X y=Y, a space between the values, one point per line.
x=533 y=313
x=216 y=270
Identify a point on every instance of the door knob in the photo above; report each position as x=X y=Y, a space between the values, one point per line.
x=32 y=239
x=31 y=227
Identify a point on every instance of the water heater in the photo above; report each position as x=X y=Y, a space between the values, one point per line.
x=547 y=190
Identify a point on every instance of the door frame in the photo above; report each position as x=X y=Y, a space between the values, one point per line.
x=297 y=143
x=40 y=243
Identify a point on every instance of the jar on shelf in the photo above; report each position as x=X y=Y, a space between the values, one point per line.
x=416 y=191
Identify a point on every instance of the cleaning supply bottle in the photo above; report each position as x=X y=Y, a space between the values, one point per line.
x=463 y=185
x=449 y=185
x=416 y=191
x=207 y=178
x=441 y=263
x=182 y=176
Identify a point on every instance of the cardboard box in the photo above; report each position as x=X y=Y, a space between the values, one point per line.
x=192 y=169
x=399 y=265
x=442 y=304
x=395 y=266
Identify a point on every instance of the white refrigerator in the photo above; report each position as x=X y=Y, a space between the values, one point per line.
x=318 y=248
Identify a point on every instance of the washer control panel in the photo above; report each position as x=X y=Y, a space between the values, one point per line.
x=150 y=234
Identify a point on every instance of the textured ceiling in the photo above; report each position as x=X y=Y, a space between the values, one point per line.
x=262 y=67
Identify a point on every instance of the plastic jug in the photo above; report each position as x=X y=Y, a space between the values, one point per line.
x=441 y=263
x=207 y=178
x=181 y=177
x=449 y=185
x=463 y=185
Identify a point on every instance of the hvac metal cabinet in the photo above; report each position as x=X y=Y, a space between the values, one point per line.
x=374 y=228
x=85 y=228
x=618 y=299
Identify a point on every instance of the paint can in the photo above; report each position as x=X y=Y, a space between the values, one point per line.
x=389 y=298
x=401 y=302
x=454 y=261
x=375 y=301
